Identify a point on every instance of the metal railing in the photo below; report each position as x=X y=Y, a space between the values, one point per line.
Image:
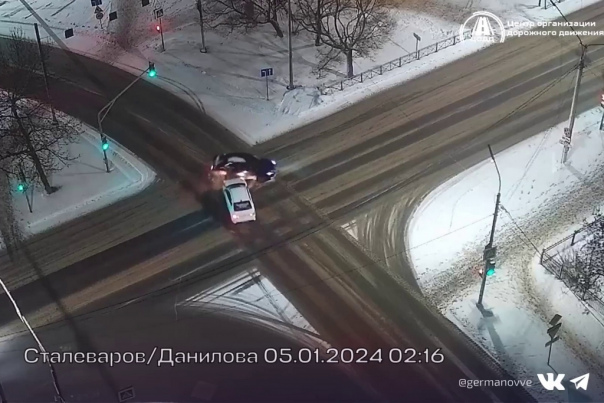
x=340 y=85
x=549 y=260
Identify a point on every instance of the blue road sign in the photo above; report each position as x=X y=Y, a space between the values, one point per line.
x=266 y=72
x=96 y=3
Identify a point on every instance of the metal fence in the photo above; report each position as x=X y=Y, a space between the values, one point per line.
x=340 y=85
x=551 y=261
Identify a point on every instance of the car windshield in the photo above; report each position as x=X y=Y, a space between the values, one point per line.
x=242 y=205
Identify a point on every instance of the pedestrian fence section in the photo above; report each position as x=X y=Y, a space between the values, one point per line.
x=340 y=85
x=551 y=260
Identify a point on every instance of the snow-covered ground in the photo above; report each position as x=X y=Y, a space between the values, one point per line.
x=84 y=185
x=542 y=202
x=253 y=297
x=227 y=81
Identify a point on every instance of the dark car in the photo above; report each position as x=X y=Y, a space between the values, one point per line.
x=246 y=166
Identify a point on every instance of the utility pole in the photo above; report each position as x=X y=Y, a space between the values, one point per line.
x=203 y=48
x=289 y=45
x=52 y=109
x=568 y=131
x=489 y=250
x=55 y=381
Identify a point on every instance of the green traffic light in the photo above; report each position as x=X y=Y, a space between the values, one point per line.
x=490 y=272
x=21 y=187
x=151 y=70
x=105 y=146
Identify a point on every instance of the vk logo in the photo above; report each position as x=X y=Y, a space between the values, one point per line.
x=551 y=383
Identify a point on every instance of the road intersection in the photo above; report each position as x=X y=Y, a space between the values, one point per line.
x=388 y=150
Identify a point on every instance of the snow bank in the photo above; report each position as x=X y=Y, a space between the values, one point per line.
x=226 y=81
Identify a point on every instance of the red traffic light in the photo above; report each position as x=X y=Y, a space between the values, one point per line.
x=158 y=28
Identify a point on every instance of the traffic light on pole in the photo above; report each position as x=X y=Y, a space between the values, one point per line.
x=151 y=71
x=158 y=28
x=105 y=144
x=21 y=187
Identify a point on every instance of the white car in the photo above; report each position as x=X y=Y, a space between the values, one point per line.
x=239 y=200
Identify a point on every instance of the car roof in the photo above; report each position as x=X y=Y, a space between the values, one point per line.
x=238 y=156
x=238 y=189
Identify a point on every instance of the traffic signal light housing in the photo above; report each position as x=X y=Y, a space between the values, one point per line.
x=490 y=267
x=151 y=71
x=158 y=28
x=104 y=144
x=21 y=187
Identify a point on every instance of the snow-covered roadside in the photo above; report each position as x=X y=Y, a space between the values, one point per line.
x=84 y=186
x=253 y=297
x=542 y=203
x=227 y=81
x=531 y=179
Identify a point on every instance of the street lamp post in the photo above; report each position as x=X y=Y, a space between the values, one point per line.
x=489 y=250
x=203 y=48
x=45 y=71
x=290 y=86
x=105 y=110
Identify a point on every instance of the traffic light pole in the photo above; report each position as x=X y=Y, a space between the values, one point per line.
x=105 y=110
x=489 y=246
x=161 y=31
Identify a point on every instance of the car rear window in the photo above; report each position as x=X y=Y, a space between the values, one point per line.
x=242 y=205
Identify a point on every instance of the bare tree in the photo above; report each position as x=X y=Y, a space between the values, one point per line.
x=594 y=245
x=246 y=14
x=582 y=276
x=32 y=143
x=355 y=28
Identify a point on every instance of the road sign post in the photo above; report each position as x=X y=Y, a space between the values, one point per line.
x=99 y=14
x=417 y=39
x=266 y=73
x=553 y=334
